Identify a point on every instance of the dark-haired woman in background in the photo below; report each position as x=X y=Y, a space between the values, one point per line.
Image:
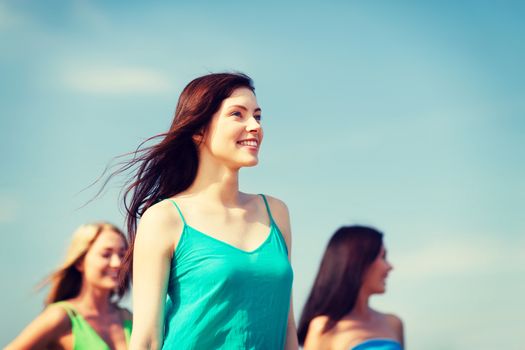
x=81 y=308
x=210 y=263
x=336 y=315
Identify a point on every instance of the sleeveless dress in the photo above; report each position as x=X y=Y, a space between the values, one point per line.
x=378 y=344
x=222 y=297
x=84 y=336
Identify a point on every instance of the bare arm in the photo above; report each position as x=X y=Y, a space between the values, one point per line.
x=397 y=325
x=315 y=338
x=157 y=236
x=51 y=324
x=282 y=219
x=400 y=332
x=291 y=331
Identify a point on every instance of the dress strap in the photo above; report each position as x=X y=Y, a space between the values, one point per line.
x=272 y=221
x=71 y=312
x=74 y=317
x=180 y=212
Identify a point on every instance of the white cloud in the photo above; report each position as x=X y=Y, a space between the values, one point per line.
x=116 y=80
x=459 y=256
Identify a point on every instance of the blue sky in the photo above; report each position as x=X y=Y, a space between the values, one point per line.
x=408 y=116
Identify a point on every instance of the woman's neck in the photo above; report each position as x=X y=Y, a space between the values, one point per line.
x=361 y=308
x=217 y=183
x=95 y=299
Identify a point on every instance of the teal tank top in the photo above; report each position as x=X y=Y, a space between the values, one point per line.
x=378 y=344
x=222 y=297
x=84 y=336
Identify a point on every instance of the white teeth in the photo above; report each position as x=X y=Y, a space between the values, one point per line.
x=251 y=143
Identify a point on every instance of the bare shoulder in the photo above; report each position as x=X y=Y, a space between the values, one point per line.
x=279 y=212
x=315 y=337
x=45 y=329
x=396 y=324
x=393 y=320
x=163 y=213
x=277 y=206
x=317 y=324
x=281 y=217
x=56 y=317
x=160 y=226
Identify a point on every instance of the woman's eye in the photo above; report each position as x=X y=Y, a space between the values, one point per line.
x=258 y=117
x=236 y=114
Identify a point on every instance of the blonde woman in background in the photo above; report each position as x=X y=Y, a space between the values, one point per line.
x=81 y=308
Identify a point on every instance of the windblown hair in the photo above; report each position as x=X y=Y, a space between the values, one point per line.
x=349 y=253
x=170 y=166
x=66 y=281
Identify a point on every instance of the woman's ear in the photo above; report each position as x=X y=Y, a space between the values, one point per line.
x=198 y=137
x=79 y=265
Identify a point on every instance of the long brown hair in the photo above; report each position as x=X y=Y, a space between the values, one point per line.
x=66 y=281
x=350 y=251
x=170 y=166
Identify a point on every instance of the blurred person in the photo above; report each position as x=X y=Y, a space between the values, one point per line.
x=82 y=309
x=336 y=315
x=210 y=263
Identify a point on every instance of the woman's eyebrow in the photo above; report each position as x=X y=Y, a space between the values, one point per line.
x=258 y=109
x=112 y=248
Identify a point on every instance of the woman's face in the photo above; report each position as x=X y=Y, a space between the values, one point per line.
x=235 y=134
x=374 y=280
x=101 y=265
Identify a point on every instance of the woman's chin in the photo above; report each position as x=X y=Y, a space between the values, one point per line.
x=109 y=284
x=250 y=163
x=380 y=289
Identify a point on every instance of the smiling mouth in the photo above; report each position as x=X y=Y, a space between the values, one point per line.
x=249 y=143
x=113 y=274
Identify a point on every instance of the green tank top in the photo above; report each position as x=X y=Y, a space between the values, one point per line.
x=222 y=297
x=84 y=336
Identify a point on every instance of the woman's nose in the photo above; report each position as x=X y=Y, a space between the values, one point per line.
x=253 y=125
x=115 y=260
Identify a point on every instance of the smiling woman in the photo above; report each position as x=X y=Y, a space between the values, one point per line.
x=210 y=263
x=82 y=311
